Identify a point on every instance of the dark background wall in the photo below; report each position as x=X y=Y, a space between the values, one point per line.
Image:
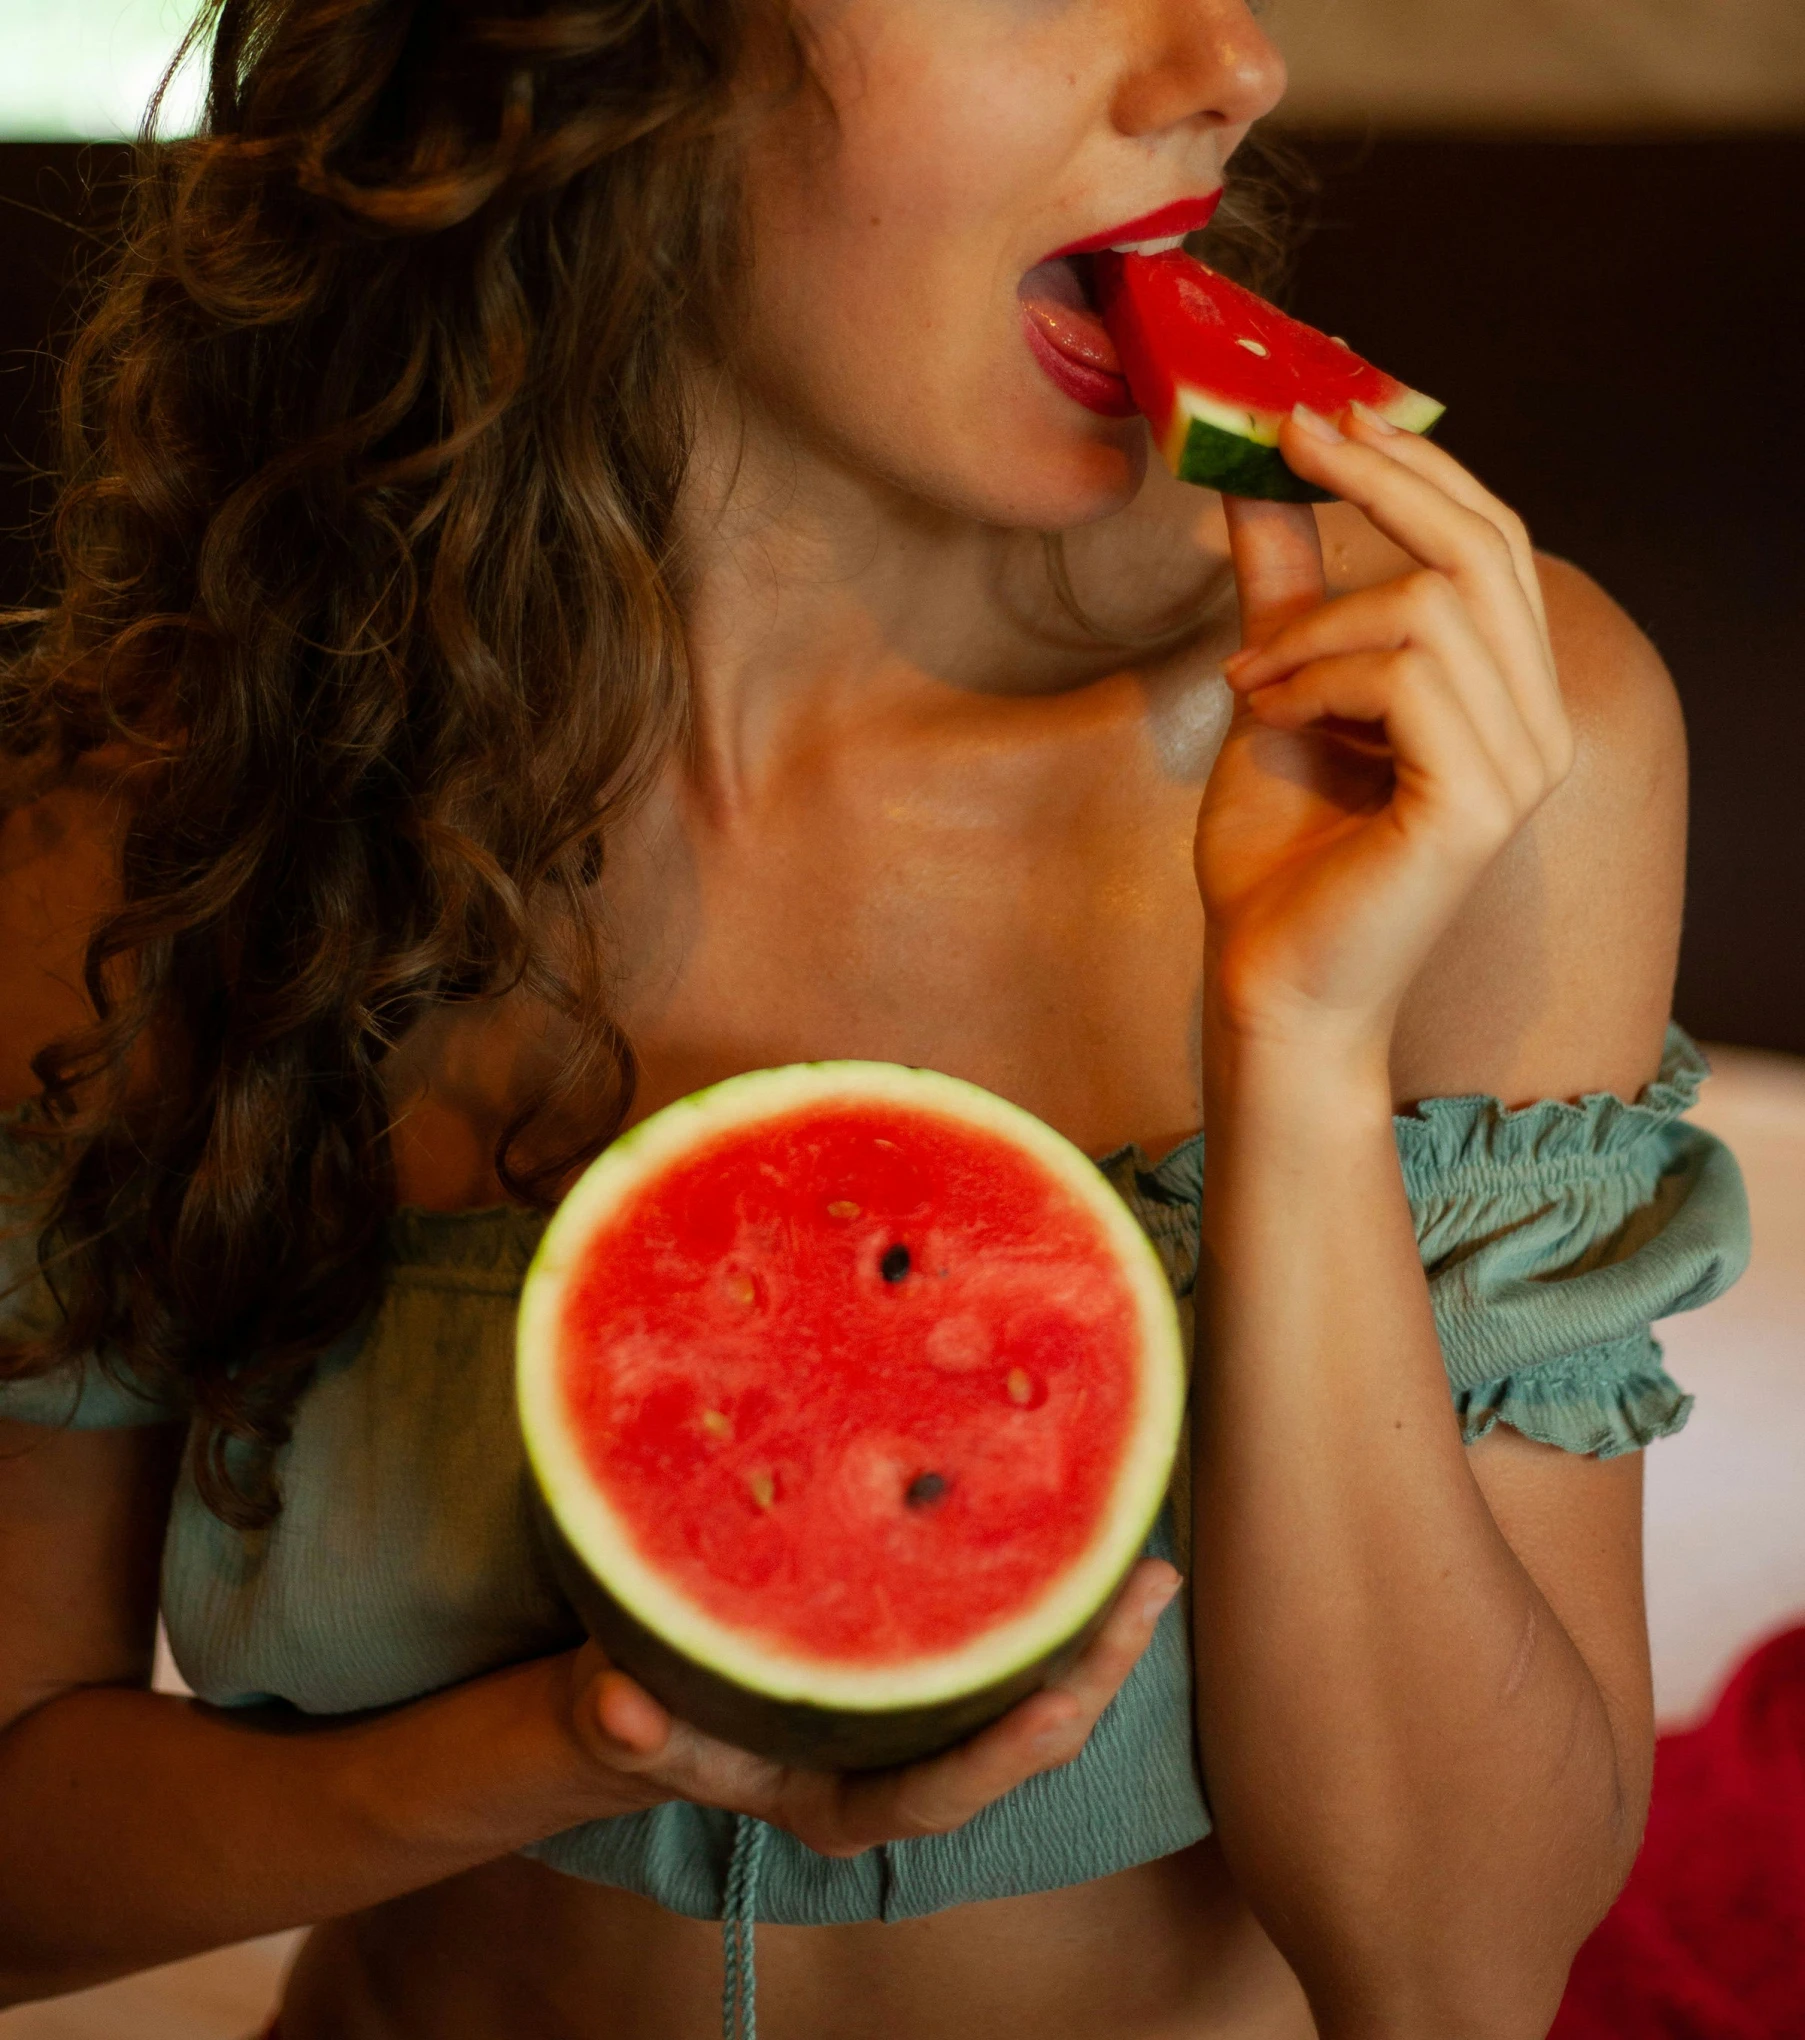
x=1614 y=327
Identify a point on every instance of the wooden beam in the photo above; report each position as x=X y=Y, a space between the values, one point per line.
x=1620 y=66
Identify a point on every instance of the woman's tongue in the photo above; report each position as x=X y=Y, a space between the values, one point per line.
x=1056 y=302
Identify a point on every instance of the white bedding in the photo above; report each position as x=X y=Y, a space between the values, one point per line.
x=1726 y=1498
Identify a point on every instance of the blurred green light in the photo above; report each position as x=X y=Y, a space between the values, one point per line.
x=84 y=70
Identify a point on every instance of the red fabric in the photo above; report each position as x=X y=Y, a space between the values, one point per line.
x=1708 y=1940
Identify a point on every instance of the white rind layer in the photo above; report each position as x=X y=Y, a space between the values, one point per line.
x=1410 y=411
x=602 y=1540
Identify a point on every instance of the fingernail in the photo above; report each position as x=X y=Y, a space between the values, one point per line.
x=1368 y=416
x=1158 y=1600
x=1236 y=660
x=1318 y=427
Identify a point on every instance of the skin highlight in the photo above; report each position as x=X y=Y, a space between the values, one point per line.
x=918 y=819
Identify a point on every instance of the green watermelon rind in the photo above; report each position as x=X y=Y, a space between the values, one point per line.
x=1236 y=452
x=1236 y=466
x=792 y=1731
x=746 y=1688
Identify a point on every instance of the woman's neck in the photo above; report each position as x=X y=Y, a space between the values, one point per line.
x=819 y=596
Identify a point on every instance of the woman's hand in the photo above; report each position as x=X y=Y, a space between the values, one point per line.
x=1386 y=745
x=642 y=1755
x=140 y=1828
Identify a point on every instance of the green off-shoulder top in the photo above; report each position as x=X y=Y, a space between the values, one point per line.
x=405 y=1558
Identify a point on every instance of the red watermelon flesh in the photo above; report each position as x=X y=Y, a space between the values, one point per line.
x=994 y=1378
x=851 y=1392
x=1217 y=370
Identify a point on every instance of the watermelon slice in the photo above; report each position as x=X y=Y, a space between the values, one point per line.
x=1217 y=371
x=851 y=1392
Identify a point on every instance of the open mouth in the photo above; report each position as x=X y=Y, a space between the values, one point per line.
x=1064 y=329
x=1060 y=315
x=1068 y=336
x=1060 y=297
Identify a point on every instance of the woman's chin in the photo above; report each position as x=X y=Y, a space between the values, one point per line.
x=1080 y=478
x=994 y=441
x=1050 y=475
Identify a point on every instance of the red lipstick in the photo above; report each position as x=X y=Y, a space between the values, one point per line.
x=1183 y=216
x=1061 y=355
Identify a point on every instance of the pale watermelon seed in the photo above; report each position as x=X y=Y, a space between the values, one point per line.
x=717 y=1424
x=742 y=1288
x=764 y=1489
x=1021 y=1388
x=843 y=1207
x=1254 y=347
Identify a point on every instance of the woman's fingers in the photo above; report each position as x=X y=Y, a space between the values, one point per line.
x=1051 y=1727
x=1043 y=1731
x=844 y=1813
x=634 y=1737
x=629 y=1716
x=1445 y=772
x=1436 y=464
x=1459 y=542
x=1422 y=613
x=1277 y=553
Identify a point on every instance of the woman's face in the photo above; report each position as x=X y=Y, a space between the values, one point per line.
x=900 y=271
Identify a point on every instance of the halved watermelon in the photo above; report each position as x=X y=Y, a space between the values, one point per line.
x=1217 y=370
x=852 y=1392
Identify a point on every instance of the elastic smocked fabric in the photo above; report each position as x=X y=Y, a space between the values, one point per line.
x=99 y=1397
x=1553 y=1236
x=406 y=1558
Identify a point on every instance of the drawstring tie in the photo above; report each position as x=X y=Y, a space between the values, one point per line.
x=739 y=1920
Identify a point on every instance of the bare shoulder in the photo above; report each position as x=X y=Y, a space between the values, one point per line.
x=58 y=876
x=1617 y=688
x=1558 y=977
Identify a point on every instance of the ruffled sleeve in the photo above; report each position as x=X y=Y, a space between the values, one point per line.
x=1555 y=1236
x=88 y=1397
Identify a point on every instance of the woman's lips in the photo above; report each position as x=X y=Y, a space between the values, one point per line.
x=1183 y=216
x=1093 y=388
x=1065 y=334
x=1070 y=341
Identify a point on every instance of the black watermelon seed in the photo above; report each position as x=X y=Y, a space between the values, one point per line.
x=895 y=1264
x=925 y=1488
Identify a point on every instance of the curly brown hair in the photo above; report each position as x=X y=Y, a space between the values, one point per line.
x=364 y=565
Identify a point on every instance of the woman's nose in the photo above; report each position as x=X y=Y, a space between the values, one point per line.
x=1197 y=61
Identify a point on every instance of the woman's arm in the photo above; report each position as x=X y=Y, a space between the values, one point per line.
x=140 y=1827
x=1415 y=1769
x=1422 y=1670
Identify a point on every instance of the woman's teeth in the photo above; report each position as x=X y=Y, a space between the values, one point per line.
x=1163 y=246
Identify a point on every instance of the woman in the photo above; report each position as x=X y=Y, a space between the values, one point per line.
x=553 y=612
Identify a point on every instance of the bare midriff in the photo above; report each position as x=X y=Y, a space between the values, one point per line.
x=513 y=1951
